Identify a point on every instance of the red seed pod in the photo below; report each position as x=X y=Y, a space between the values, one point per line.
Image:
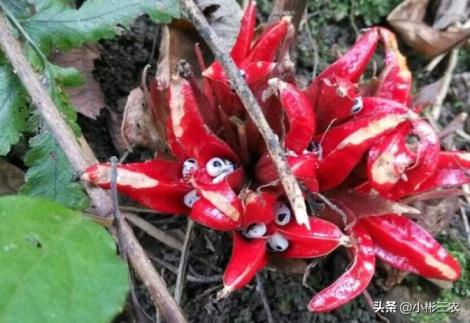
x=403 y=238
x=426 y=162
x=254 y=72
x=354 y=281
x=205 y=213
x=344 y=145
x=206 y=102
x=322 y=239
x=337 y=99
x=376 y=106
x=259 y=208
x=269 y=42
x=303 y=167
x=453 y=170
x=351 y=65
x=454 y=159
x=245 y=36
x=388 y=159
x=445 y=178
x=219 y=193
x=248 y=257
x=299 y=112
x=397 y=262
x=190 y=131
x=395 y=80
x=173 y=144
x=360 y=204
x=156 y=184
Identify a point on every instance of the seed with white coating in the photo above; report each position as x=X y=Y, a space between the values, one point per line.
x=190 y=198
x=230 y=166
x=282 y=214
x=316 y=148
x=255 y=230
x=216 y=166
x=277 y=242
x=357 y=106
x=189 y=166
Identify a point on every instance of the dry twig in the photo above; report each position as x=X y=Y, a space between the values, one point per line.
x=288 y=181
x=80 y=159
x=183 y=262
x=264 y=299
x=154 y=232
x=446 y=79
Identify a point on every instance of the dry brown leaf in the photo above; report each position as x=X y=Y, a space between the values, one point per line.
x=114 y=127
x=407 y=18
x=137 y=127
x=427 y=95
x=88 y=98
x=411 y=10
x=451 y=11
x=436 y=214
x=224 y=17
x=363 y=204
x=11 y=178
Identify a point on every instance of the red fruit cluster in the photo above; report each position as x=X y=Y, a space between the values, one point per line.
x=349 y=141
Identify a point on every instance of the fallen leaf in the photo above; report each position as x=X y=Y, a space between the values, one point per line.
x=411 y=10
x=427 y=95
x=11 y=178
x=137 y=126
x=224 y=17
x=88 y=99
x=364 y=204
x=436 y=214
x=449 y=12
x=407 y=18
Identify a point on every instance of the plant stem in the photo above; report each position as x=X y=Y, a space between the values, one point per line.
x=23 y=32
x=288 y=181
x=183 y=263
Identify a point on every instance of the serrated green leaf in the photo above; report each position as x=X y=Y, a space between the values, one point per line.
x=57 y=266
x=13 y=111
x=64 y=28
x=60 y=98
x=41 y=4
x=66 y=76
x=19 y=8
x=50 y=175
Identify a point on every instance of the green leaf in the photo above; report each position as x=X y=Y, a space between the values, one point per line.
x=13 y=111
x=58 y=26
x=57 y=266
x=20 y=8
x=50 y=174
x=67 y=76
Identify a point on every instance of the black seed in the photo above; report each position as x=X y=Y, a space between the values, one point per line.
x=217 y=163
x=281 y=217
x=313 y=146
x=279 y=248
x=251 y=226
